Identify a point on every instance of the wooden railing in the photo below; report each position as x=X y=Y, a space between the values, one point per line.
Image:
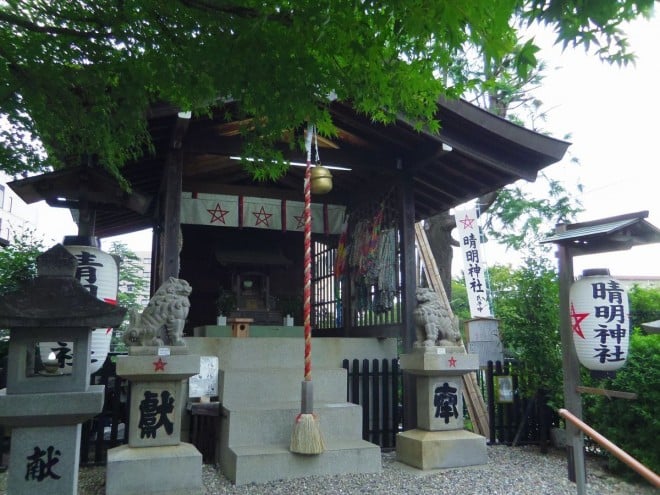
x=620 y=454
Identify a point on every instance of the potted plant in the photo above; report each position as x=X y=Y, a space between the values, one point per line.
x=225 y=304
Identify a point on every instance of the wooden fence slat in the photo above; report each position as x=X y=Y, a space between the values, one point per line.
x=366 y=431
x=355 y=382
x=490 y=388
x=376 y=425
x=387 y=440
x=375 y=386
x=396 y=399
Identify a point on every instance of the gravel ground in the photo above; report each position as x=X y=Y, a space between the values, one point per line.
x=510 y=471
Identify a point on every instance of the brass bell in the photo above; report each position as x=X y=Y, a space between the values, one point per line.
x=321 y=180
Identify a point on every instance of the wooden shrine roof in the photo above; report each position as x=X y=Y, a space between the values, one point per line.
x=474 y=153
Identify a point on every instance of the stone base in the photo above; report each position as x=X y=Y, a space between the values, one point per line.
x=440 y=449
x=171 y=470
x=35 y=470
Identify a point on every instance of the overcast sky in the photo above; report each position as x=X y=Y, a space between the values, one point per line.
x=611 y=115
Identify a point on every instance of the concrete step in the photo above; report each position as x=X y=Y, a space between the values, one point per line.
x=262 y=353
x=256 y=387
x=288 y=352
x=264 y=463
x=274 y=423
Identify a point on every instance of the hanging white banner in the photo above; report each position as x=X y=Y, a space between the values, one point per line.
x=221 y=210
x=218 y=210
x=262 y=213
x=474 y=265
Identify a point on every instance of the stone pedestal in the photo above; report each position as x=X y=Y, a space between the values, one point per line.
x=439 y=440
x=155 y=460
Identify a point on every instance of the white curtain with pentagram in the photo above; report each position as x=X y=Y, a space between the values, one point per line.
x=222 y=210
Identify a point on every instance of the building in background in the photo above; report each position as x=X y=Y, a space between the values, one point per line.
x=645 y=282
x=15 y=215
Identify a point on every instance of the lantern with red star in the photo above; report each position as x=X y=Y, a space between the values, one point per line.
x=98 y=272
x=600 y=321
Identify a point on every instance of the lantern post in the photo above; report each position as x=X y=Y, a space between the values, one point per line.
x=571 y=370
x=599 y=236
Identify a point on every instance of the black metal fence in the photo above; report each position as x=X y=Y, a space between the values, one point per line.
x=375 y=385
x=514 y=419
x=109 y=428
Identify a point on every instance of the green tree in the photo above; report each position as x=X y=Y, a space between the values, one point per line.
x=644 y=304
x=18 y=263
x=526 y=301
x=131 y=287
x=515 y=215
x=631 y=424
x=18 y=260
x=78 y=76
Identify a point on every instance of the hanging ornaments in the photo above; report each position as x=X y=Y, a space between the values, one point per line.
x=600 y=321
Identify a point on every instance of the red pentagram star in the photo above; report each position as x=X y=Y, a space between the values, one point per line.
x=467 y=222
x=159 y=365
x=301 y=220
x=262 y=217
x=114 y=303
x=577 y=319
x=452 y=362
x=218 y=214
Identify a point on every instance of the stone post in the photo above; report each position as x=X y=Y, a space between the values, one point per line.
x=439 y=441
x=156 y=461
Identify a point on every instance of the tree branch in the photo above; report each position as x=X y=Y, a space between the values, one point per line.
x=486 y=201
x=18 y=21
x=235 y=10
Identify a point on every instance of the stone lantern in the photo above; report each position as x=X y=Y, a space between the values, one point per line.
x=46 y=407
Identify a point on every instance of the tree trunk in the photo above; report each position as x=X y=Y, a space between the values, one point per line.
x=438 y=232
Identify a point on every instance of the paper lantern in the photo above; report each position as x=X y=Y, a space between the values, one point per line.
x=98 y=272
x=600 y=321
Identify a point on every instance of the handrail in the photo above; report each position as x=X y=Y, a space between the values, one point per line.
x=620 y=454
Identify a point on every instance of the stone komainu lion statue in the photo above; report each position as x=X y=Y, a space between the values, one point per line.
x=434 y=325
x=162 y=321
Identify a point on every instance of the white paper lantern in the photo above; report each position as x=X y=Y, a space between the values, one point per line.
x=98 y=272
x=600 y=321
